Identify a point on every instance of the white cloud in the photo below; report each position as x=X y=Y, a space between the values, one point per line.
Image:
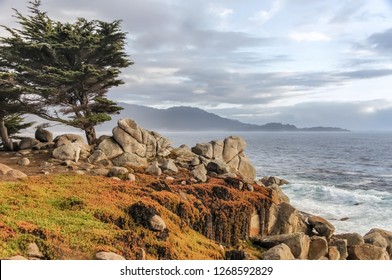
x=309 y=37
x=219 y=11
x=263 y=16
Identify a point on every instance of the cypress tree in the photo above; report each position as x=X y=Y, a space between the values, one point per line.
x=67 y=68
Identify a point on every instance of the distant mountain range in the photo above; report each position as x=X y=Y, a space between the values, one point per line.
x=194 y=119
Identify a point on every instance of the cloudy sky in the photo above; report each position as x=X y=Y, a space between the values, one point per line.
x=304 y=62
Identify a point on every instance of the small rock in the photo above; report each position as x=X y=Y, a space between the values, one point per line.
x=169 y=178
x=200 y=173
x=33 y=251
x=108 y=256
x=169 y=165
x=80 y=172
x=86 y=166
x=115 y=178
x=141 y=254
x=250 y=188
x=154 y=169
x=131 y=177
x=100 y=171
x=218 y=166
x=117 y=171
x=24 y=152
x=157 y=223
x=27 y=143
x=184 y=183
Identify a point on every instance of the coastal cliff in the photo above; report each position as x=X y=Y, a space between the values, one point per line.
x=134 y=196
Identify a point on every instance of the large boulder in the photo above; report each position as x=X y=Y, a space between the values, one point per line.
x=233 y=146
x=278 y=252
x=246 y=169
x=28 y=143
x=367 y=252
x=43 y=135
x=284 y=219
x=277 y=194
x=341 y=246
x=16 y=174
x=130 y=159
x=203 y=149
x=70 y=151
x=136 y=140
x=4 y=169
x=229 y=154
x=387 y=235
x=297 y=242
x=352 y=238
x=200 y=173
x=76 y=140
x=321 y=226
x=168 y=165
x=318 y=247
x=110 y=148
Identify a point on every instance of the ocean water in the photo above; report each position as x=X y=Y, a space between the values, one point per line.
x=345 y=177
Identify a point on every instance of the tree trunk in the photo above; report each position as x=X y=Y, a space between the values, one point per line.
x=90 y=135
x=7 y=142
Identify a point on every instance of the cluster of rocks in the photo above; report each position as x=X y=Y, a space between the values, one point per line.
x=131 y=146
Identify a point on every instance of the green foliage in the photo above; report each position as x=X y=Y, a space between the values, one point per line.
x=67 y=68
x=16 y=123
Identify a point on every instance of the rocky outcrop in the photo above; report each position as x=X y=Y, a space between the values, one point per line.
x=71 y=147
x=224 y=156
